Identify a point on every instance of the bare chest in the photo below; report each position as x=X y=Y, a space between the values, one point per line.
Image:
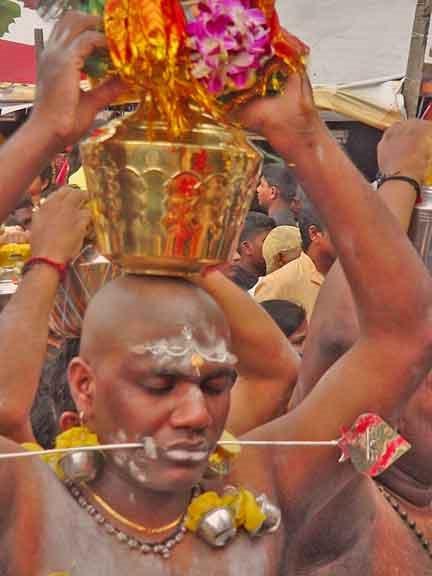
x=74 y=543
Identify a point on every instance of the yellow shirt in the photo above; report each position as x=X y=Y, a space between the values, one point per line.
x=298 y=281
x=78 y=179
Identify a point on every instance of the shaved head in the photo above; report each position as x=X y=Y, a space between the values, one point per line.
x=131 y=308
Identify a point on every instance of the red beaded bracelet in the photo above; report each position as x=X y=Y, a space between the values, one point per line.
x=60 y=267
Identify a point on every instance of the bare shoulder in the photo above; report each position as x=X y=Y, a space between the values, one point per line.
x=16 y=475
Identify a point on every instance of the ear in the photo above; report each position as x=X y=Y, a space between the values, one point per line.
x=69 y=420
x=82 y=386
x=314 y=232
x=274 y=192
x=246 y=247
x=278 y=259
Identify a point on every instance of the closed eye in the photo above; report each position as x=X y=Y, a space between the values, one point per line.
x=219 y=384
x=159 y=385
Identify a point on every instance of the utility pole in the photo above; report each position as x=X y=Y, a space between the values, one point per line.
x=39 y=42
x=416 y=59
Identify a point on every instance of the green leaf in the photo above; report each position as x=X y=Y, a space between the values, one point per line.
x=9 y=12
x=96 y=7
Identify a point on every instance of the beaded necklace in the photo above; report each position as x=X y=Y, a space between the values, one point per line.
x=163 y=548
x=412 y=525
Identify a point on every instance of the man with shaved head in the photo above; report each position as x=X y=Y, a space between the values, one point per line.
x=156 y=367
x=133 y=342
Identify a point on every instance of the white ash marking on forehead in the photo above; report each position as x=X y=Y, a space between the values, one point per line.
x=186 y=345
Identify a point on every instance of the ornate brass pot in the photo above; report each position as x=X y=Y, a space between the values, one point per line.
x=164 y=207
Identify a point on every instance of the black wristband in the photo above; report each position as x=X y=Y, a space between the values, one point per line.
x=382 y=179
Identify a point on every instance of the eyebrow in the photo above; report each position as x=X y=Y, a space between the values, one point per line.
x=170 y=373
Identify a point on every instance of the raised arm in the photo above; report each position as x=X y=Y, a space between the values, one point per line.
x=268 y=365
x=334 y=327
x=58 y=231
x=61 y=115
x=393 y=351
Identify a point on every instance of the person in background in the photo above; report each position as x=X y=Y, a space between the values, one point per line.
x=299 y=281
x=21 y=216
x=40 y=185
x=291 y=319
x=53 y=409
x=278 y=194
x=281 y=246
x=250 y=264
x=13 y=235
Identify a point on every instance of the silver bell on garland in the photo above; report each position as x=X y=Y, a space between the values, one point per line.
x=217 y=527
x=272 y=513
x=81 y=466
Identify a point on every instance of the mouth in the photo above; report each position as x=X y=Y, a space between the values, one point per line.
x=186 y=456
x=187 y=453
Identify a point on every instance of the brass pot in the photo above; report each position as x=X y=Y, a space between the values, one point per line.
x=168 y=208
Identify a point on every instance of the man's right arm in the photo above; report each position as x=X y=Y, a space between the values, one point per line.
x=58 y=231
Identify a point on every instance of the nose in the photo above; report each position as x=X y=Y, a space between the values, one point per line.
x=191 y=410
x=236 y=257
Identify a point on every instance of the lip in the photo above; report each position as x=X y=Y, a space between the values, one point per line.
x=201 y=446
x=187 y=452
x=183 y=456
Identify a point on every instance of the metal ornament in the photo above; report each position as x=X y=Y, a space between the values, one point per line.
x=87 y=274
x=420 y=231
x=82 y=466
x=272 y=513
x=372 y=445
x=217 y=527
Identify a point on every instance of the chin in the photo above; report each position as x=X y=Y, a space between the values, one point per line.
x=170 y=478
x=179 y=478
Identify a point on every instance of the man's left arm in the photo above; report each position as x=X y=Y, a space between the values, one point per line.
x=267 y=364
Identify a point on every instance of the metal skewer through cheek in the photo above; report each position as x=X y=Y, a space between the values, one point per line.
x=137 y=445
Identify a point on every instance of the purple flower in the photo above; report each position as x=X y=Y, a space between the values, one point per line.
x=229 y=42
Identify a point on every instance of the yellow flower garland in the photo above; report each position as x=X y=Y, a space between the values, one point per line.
x=242 y=504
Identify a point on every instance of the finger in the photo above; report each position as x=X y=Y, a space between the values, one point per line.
x=102 y=95
x=250 y=116
x=58 y=195
x=77 y=197
x=86 y=219
x=85 y=44
x=71 y=25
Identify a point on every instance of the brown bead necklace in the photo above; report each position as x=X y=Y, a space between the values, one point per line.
x=162 y=548
x=412 y=525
